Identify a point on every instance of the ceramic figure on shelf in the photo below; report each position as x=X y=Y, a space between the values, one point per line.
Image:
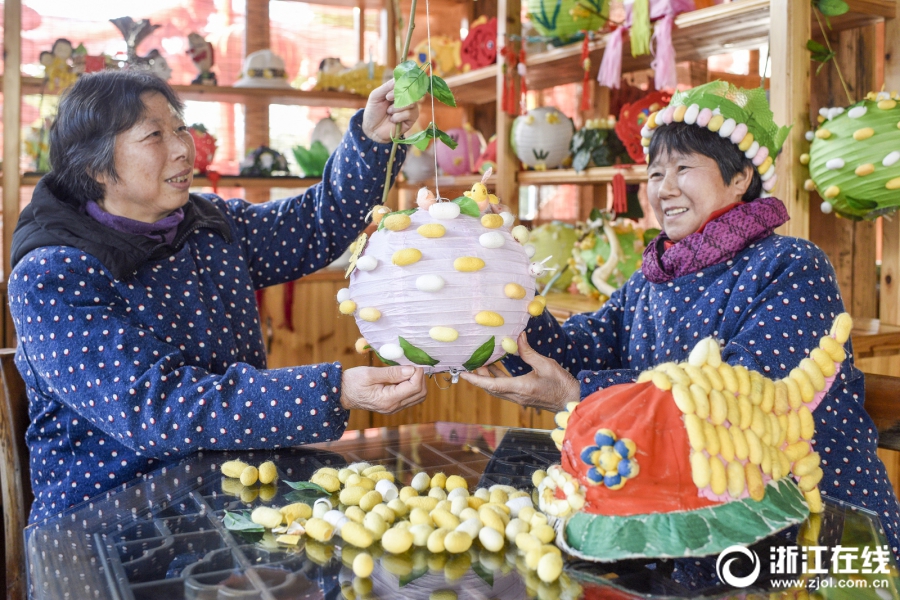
x=58 y=66
x=134 y=33
x=201 y=53
x=264 y=162
x=541 y=138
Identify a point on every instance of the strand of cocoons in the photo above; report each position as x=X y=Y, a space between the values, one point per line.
x=435 y=517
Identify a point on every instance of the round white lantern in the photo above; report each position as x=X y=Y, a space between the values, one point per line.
x=446 y=298
x=541 y=137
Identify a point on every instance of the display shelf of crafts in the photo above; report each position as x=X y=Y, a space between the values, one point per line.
x=593 y=175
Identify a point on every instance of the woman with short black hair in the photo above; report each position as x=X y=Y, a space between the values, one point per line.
x=138 y=332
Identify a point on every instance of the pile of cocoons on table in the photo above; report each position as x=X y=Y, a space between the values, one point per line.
x=374 y=517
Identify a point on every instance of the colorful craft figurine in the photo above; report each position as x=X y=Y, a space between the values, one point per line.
x=606 y=254
x=639 y=14
x=361 y=79
x=692 y=458
x=201 y=54
x=264 y=162
x=134 y=33
x=854 y=160
x=263 y=69
x=445 y=56
x=633 y=117
x=564 y=20
x=541 y=138
x=59 y=72
x=741 y=115
x=204 y=146
x=488 y=158
x=479 y=49
x=411 y=291
x=462 y=159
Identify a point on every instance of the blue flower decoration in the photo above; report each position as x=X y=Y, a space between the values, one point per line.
x=612 y=461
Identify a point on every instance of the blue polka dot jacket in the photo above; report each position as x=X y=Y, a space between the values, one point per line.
x=128 y=372
x=770 y=304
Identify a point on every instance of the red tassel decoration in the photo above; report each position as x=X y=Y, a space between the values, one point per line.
x=620 y=197
x=508 y=102
x=213 y=177
x=586 y=65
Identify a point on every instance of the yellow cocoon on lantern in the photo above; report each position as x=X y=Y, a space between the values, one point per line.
x=406 y=256
x=468 y=264
x=514 y=291
x=443 y=334
x=432 y=230
x=489 y=318
x=397 y=222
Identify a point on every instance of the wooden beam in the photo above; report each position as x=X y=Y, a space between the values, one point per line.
x=359 y=28
x=889 y=311
x=12 y=109
x=508 y=23
x=790 y=24
x=256 y=110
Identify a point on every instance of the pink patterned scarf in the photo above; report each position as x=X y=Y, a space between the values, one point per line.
x=720 y=240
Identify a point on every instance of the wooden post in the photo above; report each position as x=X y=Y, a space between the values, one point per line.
x=359 y=27
x=790 y=103
x=12 y=109
x=256 y=110
x=890 y=251
x=508 y=23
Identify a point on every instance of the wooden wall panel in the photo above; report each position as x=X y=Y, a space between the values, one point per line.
x=889 y=309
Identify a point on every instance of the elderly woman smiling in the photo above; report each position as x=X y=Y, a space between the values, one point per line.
x=133 y=300
x=717 y=269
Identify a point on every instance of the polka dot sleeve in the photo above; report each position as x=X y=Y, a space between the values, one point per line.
x=286 y=239
x=87 y=349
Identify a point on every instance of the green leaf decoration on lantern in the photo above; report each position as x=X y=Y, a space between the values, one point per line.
x=467 y=206
x=389 y=363
x=420 y=357
x=411 y=83
x=441 y=91
x=832 y=8
x=480 y=356
x=240 y=521
x=408 y=211
x=420 y=140
x=860 y=204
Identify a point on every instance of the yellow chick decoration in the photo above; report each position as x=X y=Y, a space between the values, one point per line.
x=479 y=194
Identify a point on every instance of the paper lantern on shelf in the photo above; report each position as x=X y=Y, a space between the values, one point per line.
x=461 y=160
x=564 y=20
x=541 y=137
x=854 y=160
x=479 y=49
x=632 y=118
x=445 y=287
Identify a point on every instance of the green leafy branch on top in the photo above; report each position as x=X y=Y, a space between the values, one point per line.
x=824 y=54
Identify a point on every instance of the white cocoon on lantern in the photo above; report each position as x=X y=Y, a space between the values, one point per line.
x=415 y=298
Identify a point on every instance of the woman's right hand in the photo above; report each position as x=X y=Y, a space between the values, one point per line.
x=384 y=390
x=548 y=386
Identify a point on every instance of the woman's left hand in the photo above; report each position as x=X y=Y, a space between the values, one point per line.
x=381 y=116
x=548 y=386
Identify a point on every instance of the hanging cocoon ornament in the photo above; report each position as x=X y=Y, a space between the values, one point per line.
x=854 y=160
x=443 y=286
x=541 y=137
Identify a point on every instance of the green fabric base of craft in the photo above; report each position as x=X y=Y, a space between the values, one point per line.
x=699 y=532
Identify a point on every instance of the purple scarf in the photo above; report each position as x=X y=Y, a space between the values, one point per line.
x=161 y=231
x=720 y=240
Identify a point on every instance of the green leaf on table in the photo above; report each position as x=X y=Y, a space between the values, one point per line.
x=441 y=91
x=420 y=357
x=421 y=139
x=467 y=206
x=832 y=8
x=480 y=356
x=410 y=83
x=408 y=211
x=308 y=485
x=240 y=521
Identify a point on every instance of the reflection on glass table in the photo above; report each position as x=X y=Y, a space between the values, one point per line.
x=162 y=536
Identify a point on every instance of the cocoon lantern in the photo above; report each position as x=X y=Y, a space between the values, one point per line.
x=432 y=308
x=564 y=19
x=854 y=167
x=541 y=137
x=462 y=159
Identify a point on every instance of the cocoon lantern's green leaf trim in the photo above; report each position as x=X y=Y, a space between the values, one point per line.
x=420 y=140
x=411 y=83
x=467 y=206
x=240 y=521
x=389 y=363
x=480 y=356
x=860 y=204
x=307 y=485
x=408 y=211
x=420 y=357
x=441 y=91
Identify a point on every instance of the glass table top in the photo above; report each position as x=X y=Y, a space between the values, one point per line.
x=162 y=536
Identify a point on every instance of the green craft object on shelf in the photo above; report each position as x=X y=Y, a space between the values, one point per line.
x=564 y=20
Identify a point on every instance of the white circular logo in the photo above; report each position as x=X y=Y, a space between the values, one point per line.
x=723 y=566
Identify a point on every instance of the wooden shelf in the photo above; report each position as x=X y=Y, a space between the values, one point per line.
x=594 y=175
x=447 y=181
x=217 y=93
x=699 y=34
x=227 y=181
